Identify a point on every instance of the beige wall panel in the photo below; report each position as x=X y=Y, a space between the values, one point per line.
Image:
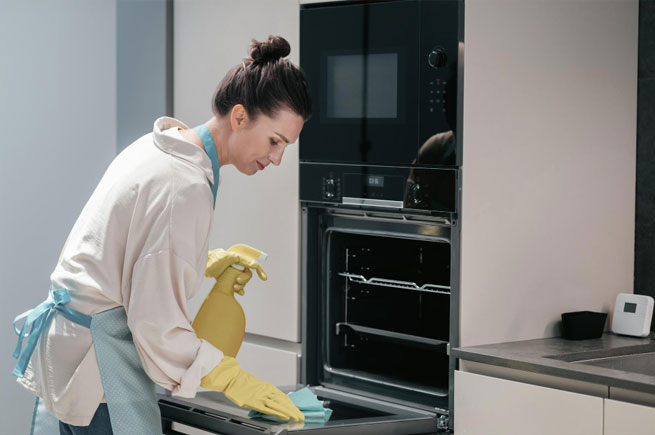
x=210 y=37
x=548 y=163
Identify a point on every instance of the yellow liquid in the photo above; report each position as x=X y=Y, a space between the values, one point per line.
x=221 y=320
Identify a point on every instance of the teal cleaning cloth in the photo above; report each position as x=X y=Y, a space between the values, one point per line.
x=309 y=405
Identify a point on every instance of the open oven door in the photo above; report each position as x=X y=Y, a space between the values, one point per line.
x=212 y=412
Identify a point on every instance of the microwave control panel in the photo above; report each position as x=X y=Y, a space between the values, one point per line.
x=437 y=96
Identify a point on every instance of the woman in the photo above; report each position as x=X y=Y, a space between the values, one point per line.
x=116 y=321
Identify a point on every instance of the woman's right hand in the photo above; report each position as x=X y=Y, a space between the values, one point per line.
x=246 y=391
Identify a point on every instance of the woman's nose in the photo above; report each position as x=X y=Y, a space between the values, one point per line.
x=276 y=156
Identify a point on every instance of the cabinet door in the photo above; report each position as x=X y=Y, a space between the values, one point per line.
x=270 y=364
x=490 y=406
x=626 y=418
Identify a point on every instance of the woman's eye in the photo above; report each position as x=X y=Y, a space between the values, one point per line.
x=273 y=142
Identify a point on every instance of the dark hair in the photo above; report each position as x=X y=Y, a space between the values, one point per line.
x=264 y=83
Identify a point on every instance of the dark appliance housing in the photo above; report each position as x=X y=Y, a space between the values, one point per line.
x=379 y=188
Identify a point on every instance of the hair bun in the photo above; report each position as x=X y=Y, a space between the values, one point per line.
x=275 y=48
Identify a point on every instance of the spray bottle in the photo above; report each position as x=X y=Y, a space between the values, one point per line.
x=221 y=320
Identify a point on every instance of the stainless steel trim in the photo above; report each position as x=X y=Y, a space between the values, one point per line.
x=429 y=288
x=439 y=220
x=371 y=202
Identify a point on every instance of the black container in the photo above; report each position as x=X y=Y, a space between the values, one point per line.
x=582 y=325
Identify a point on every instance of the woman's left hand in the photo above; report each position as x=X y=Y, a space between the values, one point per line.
x=219 y=260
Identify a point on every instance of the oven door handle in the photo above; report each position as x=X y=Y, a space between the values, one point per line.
x=349 y=200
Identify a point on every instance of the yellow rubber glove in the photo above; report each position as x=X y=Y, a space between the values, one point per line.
x=242 y=255
x=247 y=391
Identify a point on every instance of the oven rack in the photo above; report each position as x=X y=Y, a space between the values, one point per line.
x=399 y=337
x=406 y=285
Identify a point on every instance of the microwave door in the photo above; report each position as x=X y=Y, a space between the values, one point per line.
x=362 y=66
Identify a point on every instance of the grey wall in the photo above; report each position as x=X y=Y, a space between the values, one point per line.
x=58 y=123
x=645 y=207
x=144 y=66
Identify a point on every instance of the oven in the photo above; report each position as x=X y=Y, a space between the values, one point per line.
x=379 y=303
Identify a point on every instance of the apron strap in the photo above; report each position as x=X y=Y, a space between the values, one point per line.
x=39 y=319
x=210 y=149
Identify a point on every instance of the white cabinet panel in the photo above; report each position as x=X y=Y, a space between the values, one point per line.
x=279 y=367
x=626 y=418
x=210 y=37
x=491 y=406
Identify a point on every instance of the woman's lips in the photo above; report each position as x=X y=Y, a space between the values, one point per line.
x=260 y=166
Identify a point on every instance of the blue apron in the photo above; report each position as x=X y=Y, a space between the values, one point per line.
x=130 y=394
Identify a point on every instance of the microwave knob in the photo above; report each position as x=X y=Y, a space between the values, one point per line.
x=437 y=58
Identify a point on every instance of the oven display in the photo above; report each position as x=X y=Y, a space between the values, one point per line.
x=374 y=186
x=374 y=181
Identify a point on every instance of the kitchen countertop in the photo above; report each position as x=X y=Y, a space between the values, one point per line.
x=564 y=358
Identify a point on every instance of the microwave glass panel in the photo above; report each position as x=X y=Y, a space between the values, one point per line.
x=362 y=85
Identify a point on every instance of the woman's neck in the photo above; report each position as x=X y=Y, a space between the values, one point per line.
x=217 y=131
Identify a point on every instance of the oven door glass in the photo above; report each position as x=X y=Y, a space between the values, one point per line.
x=376 y=99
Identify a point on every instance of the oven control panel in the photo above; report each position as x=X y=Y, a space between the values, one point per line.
x=429 y=189
x=331 y=187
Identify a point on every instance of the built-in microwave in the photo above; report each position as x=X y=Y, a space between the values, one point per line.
x=384 y=79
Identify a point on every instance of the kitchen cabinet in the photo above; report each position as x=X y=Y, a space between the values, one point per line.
x=488 y=405
x=626 y=418
x=497 y=400
x=211 y=37
x=270 y=363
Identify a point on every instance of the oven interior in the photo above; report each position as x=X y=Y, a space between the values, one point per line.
x=386 y=303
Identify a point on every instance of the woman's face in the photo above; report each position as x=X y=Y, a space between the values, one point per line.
x=257 y=144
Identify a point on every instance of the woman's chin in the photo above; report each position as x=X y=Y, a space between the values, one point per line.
x=247 y=171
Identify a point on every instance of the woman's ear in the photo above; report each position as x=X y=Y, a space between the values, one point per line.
x=238 y=117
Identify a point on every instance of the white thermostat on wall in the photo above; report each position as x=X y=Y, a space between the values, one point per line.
x=632 y=315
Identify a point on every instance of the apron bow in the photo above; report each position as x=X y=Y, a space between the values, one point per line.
x=39 y=319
